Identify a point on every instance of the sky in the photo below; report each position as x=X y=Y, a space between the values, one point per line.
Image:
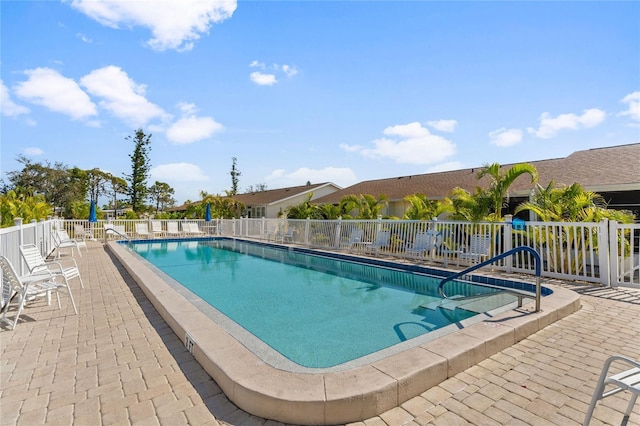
x=313 y=91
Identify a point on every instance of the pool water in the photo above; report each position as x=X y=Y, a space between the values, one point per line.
x=316 y=311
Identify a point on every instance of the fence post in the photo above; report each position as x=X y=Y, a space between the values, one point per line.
x=307 y=228
x=605 y=244
x=613 y=253
x=507 y=242
x=18 y=222
x=338 y=231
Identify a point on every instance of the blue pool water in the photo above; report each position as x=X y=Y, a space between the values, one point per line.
x=316 y=311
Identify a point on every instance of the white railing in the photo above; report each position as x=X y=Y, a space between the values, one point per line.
x=604 y=252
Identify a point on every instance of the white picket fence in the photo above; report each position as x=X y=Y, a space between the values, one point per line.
x=604 y=252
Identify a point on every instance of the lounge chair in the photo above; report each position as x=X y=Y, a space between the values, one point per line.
x=37 y=264
x=192 y=229
x=82 y=234
x=142 y=230
x=383 y=238
x=424 y=242
x=355 y=239
x=478 y=250
x=627 y=380
x=172 y=229
x=28 y=287
x=62 y=240
x=286 y=236
x=117 y=231
x=156 y=228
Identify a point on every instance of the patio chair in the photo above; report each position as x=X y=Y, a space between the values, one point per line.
x=383 y=238
x=355 y=239
x=28 y=288
x=156 y=228
x=62 y=240
x=627 y=380
x=286 y=236
x=142 y=230
x=192 y=229
x=424 y=242
x=82 y=234
x=172 y=229
x=37 y=264
x=478 y=250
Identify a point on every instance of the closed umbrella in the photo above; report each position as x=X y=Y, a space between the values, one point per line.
x=92 y=212
x=207 y=214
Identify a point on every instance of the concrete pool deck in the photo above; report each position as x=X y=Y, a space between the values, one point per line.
x=119 y=362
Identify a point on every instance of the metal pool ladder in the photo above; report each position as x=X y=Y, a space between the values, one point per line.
x=519 y=293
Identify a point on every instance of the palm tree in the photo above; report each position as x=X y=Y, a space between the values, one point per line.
x=500 y=183
x=304 y=209
x=366 y=206
x=421 y=208
x=470 y=207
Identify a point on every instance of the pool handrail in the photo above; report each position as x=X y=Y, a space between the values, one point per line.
x=514 y=250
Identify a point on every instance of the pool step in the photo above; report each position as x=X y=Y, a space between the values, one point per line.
x=476 y=304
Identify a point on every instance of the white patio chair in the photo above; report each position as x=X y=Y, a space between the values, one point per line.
x=156 y=228
x=142 y=230
x=62 y=240
x=37 y=264
x=28 y=288
x=627 y=380
x=80 y=233
x=479 y=248
x=383 y=238
x=192 y=229
x=354 y=239
x=424 y=243
x=172 y=229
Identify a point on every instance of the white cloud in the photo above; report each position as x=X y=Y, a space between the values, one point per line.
x=409 y=144
x=351 y=148
x=84 y=38
x=121 y=95
x=192 y=129
x=445 y=167
x=263 y=79
x=175 y=24
x=506 y=137
x=443 y=125
x=289 y=70
x=8 y=107
x=633 y=102
x=341 y=176
x=256 y=64
x=48 y=88
x=178 y=172
x=549 y=126
x=33 y=151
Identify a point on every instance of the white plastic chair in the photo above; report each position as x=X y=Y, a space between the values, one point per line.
x=37 y=264
x=142 y=230
x=627 y=380
x=29 y=287
x=172 y=229
x=63 y=240
x=156 y=228
x=383 y=238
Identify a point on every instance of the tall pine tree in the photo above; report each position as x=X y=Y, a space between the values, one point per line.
x=140 y=166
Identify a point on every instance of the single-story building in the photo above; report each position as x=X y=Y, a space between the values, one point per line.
x=613 y=172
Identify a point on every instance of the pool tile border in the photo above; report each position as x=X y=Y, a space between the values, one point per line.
x=345 y=396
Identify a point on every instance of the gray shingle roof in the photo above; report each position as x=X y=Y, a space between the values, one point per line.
x=598 y=169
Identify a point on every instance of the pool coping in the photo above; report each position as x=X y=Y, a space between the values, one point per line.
x=344 y=396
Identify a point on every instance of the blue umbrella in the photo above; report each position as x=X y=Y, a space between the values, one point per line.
x=207 y=214
x=92 y=212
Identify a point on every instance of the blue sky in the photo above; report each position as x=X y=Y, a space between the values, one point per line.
x=320 y=91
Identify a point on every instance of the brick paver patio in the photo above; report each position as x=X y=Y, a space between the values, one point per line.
x=118 y=362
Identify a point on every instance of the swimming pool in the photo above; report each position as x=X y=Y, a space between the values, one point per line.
x=332 y=396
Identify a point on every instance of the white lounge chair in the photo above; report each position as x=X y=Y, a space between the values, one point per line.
x=423 y=243
x=142 y=230
x=28 y=287
x=627 y=380
x=192 y=229
x=285 y=236
x=172 y=229
x=478 y=250
x=62 y=240
x=156 y=228
x=37 y=264
x=383 y=238
x=82 y=234
x=355 y=239
x=116 y=231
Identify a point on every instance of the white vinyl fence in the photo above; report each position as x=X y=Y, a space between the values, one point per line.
x=606 y=252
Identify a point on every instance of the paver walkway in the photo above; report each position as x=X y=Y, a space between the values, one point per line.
x=118 y=362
